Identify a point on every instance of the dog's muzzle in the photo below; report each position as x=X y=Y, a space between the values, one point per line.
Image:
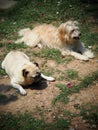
x=37 y=77
x=76 y=38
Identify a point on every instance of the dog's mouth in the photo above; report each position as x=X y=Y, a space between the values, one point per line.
x=37 y=77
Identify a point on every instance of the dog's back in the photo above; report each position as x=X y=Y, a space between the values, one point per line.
x=13 y=60
x=48 y=34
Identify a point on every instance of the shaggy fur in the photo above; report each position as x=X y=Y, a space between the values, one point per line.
x=66 y=38
x=21 y=70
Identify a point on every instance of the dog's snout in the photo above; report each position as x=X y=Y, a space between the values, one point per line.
x=76 y=38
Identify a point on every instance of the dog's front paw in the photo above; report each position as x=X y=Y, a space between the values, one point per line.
x=85 y=58
x=89 y=54
x=23 y=92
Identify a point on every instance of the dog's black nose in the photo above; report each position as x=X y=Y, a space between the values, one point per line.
x=79 y=34
x=76 y=38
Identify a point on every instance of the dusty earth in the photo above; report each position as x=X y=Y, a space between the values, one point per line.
x=40 y=96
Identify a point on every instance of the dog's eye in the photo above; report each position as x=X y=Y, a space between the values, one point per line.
x=72 y=30
x=25 y=72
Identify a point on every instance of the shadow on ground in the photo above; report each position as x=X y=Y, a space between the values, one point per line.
x=8 y=94
x=5 y=96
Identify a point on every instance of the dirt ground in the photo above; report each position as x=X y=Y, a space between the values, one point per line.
x=39 y=96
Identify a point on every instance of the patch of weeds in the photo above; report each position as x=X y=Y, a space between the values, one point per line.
x=59 y=124
x=52 y=54
x=15 y=46
x=90 y=115
x=65 y=91
x=2 y=71
x=87 y=81
x=62 y=76
x=49 y=72
x=20 y=122
x=27 y=122
x=68 y=75
x=71 y=74
x=1 y=45
x=12 y=46
x=63 y=94
x=89 y=38
x=68 y=114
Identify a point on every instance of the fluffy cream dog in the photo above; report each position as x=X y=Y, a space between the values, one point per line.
x=66 y=38
x=21 y=71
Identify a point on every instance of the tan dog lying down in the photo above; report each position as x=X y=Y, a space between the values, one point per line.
x=66 y=38
x=21 y=70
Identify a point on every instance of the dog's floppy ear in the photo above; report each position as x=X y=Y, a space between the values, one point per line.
x=36 y=64
x=25 y=72
x=62 y=32
x=61 y=28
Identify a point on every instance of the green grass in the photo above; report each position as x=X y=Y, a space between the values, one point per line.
x=69 y=75
x=52 y=54
x=27 y=122
x=72 y=74
x=90 y=115
x=65 y=91
x=48 y=72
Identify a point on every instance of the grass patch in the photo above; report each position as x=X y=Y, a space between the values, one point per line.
x=52 y=54
x=71 y=74
x=65 y=91
x=15 y=46
x=12 y=46
x=68 y=75
x=90 y=115
x=49 y=72
x=2 y=71
x=27 y=122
